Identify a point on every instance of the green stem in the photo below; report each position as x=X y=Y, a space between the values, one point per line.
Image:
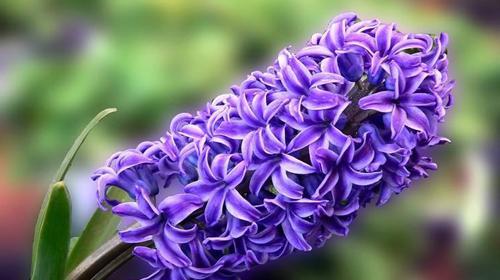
x=105 y=260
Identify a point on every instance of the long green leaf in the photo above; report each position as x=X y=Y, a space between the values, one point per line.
x=52 y=234
x=100 y=229
x=63 y=168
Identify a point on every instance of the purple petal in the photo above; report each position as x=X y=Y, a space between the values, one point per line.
x=343 y=188
x=213 y=210
x=399 y=80
x=220 y=164
x=192 y=131
x=335 y=136
x=306 y=137
x=274 y=218
x=128 y=160
x=363 y=156
x=248 y=146
x=383 y=37
x=376 y=72
x=408 y=61
x=408 y=44
x=178 y=274
x=413 y=83
x=236 y=175
x=326 y=159
x=296 y=240
x=219 y=243
x=140 y=234
x=236 y=129
x=322 y=100
x=264 y=237
x=260 y=176
x=259 y=104
x=316 y=51
x=333 y=225
x=348 y=17
x=351 y=66
x=293 y=165
x=147 y=207
x=300 y=225
x=381 y=101
x=171 y=252
x=246 y=112
x=204 y=272
x=147 y=254
x=362 y=40
x=362 y=178
x=416 y=119
x=178 y=207
x=327 y=184
x=398 y=120
x=179 y=120
x=418 y=99
x=271 y=141
x=129 y=209
x=237 y=227
x=266 y=248
x=290 y=81
x=240 y=208
x=347 y=152
x=324 y=78
x=201 y=189
x=348 y=209
x=266 y=144
x=204 y=168
x=301 y=71
x=180 y=235
x=305 y=207
x=273 y=108
x=285 y=185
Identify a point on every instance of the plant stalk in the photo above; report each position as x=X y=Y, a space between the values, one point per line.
x=104 y=260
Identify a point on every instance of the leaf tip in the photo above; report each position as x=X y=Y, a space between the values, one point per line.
x=110 y=110
x=59 y=185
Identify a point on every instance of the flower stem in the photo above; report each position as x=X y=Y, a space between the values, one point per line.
x=105 y=260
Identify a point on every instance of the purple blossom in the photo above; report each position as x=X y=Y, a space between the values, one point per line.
x=217 y=185
x=290 y=157
x=402 y=101
x=292 y=216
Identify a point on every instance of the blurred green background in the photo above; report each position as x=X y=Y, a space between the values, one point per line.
x=61 y=62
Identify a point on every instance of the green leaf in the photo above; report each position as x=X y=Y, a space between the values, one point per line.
x=52 y=234
x=68 y=159
x=100 y=229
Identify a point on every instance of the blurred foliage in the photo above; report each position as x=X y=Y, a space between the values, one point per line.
x=152 y=59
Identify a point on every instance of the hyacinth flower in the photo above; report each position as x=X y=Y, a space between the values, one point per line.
x=217 y=186
x=404 y=104
x=289 y=157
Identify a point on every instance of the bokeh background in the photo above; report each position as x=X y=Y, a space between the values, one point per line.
x=61 y=62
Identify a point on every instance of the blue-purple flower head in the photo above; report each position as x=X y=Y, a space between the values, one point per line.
x=286 y=159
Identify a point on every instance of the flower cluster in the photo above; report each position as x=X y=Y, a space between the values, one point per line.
x=286 y=159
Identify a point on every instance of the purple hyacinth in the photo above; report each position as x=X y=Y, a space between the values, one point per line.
x=286 y=159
